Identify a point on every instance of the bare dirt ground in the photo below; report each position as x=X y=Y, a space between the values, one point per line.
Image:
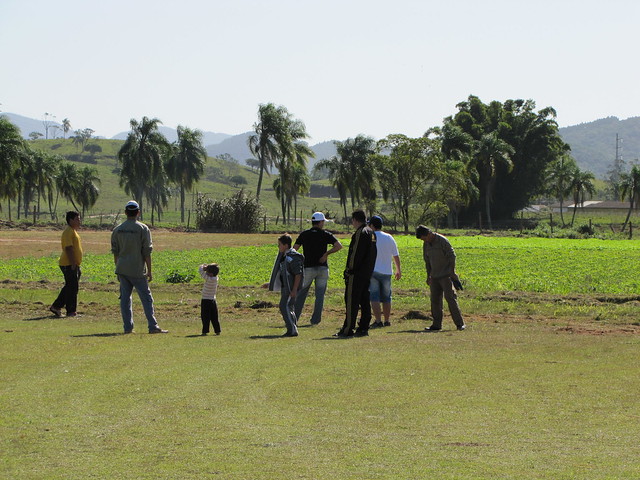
x=42 y=242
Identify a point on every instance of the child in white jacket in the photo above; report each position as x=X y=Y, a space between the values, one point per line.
x=208 y=305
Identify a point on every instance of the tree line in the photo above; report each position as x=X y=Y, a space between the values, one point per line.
x=486 y=162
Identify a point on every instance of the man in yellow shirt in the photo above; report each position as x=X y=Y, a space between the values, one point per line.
x=70 y=261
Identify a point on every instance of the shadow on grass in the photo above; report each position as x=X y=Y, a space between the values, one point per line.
x=260 y=337
x=42 y=317
x=113 y=334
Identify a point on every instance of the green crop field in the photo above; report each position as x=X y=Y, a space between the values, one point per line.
x=543 y=384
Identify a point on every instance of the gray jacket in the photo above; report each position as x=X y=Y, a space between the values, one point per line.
x=286 y=267
x=439 y=257
x=131 y=243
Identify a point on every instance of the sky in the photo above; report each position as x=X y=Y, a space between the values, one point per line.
x=344 y=68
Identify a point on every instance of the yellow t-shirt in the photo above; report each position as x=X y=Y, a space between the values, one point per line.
x=70 y=238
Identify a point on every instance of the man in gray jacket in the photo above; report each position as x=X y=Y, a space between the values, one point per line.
x=440 y=260
x=131 y=246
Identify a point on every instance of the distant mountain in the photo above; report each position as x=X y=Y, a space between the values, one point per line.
x=236 y=146
x=593 y=144
x=28 y=125
x=208 y=138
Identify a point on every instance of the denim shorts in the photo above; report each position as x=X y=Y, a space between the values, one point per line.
x=380 y=288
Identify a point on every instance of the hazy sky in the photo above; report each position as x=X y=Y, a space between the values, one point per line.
x=343 y=67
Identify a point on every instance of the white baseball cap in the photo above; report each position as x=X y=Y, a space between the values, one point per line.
x=317 y=217
x=132 y=205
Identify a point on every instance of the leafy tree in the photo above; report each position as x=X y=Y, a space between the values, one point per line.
x=355 y=153
x=630 y=189
x=186 y=164
x=581 y=185
x=238 y=180
x=35 y=135
x=142 y=158
x=82 y=137
x=93 y=149
x=404 y=175
x=252 y=163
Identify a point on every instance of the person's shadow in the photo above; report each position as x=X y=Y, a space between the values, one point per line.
x=263 y=337
x=42 y=317
x=112 y=334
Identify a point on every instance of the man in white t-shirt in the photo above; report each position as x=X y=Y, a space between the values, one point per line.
x=380 y=285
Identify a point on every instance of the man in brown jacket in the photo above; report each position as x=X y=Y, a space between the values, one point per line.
x=440 y=260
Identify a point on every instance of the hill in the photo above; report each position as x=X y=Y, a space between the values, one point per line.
x=236 y=146
x=208 y=138
x=593 y=144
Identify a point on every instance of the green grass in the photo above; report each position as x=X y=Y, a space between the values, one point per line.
x=486 y=264
x=542 y=385
x=502 y=400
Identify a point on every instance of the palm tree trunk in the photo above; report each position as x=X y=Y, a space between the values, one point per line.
x=259 y=181
x=561 y=215
x=182 y=203
x=487 y=202
x=626 y=221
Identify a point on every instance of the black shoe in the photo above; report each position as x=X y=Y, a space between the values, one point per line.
x=433 y=329
x=462 y=327
x=289 y=334
x=386 y=324
x=376 y=325
x=361 y=333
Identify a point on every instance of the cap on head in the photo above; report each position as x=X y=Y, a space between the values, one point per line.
x=132 y=206
x=421 y=231
x=376 y=221
x=318 y=217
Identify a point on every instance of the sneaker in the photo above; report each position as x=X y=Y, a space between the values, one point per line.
x=55 y=311
x=387 y=324
x=289 y=334
x=158 y=330
x=361 y=333
x=462 y=327
x=433 y=329
x=129 y=332
x=204 y=334
x=376 y=325
x=73 y=314
x=342 y=334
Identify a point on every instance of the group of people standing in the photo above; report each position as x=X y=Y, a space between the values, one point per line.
x=369 y=269
x=367 y=275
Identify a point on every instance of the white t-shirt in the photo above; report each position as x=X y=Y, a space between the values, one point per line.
x=387 y=249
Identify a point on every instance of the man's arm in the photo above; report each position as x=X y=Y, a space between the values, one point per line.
x=296 y=284
x=147 y=261
x=71 y=256
x=336 y=247
x=396 y=259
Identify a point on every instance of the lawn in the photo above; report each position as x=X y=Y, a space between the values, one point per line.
x=543 y=384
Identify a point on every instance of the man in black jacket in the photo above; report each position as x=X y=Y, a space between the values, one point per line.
x=360 y=263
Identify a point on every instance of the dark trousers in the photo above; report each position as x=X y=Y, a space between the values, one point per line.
x=356 y=297
x=68 y=296
x=209 y=315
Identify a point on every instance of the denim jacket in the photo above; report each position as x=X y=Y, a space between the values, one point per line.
x=287 y=266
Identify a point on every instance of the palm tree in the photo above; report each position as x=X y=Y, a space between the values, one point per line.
x=630 y=188
x=581 y=185
x=41 y=176
x=12 y=150
x=142 y=159
x=491 y=153
x=187 y=162
x=66 y=126
x=270 y=137
x=339 y=176
x=86 y=191
x=355 y=152
x=67 y=181
x=559 y=177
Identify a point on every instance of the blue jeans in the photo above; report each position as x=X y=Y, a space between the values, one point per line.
x=380 y=288
x=287 y=311
x=142 y=287
x=321 y=277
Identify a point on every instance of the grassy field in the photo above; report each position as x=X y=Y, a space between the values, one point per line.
x=542 y=385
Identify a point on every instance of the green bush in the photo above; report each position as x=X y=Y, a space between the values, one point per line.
x=239 y=213
x=177 y=277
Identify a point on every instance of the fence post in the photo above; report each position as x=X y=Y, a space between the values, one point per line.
x=551 y=221
x=630 y=230
x=188 y=218
x=34 y=214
